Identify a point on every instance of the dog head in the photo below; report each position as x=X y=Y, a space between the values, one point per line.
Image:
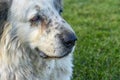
x=38 y=24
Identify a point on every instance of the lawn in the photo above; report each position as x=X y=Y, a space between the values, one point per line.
x=97 y=25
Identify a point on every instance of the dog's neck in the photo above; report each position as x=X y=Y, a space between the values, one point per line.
x=18 y=59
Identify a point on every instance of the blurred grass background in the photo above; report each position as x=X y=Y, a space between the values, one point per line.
x=97 y=25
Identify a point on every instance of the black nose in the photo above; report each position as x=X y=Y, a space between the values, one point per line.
x=68 y=39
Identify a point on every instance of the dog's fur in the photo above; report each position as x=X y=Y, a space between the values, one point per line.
x=23 y=34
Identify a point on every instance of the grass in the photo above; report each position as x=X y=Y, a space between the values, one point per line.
x=97 y=25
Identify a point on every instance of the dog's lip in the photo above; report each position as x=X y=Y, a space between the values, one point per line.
x=43 y=55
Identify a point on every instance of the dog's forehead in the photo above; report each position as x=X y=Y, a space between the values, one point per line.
x=26 y=7
x=41 y=3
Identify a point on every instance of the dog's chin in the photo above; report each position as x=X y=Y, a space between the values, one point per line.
x=44 y=55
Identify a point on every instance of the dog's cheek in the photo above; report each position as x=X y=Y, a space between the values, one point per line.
x=34 y=35
x=46 y=44
x=33 y=38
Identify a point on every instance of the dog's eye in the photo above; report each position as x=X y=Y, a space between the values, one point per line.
x=60 y=11
x=36 y=18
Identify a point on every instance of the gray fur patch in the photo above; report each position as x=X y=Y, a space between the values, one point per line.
x=3 y=15
x=4 y=8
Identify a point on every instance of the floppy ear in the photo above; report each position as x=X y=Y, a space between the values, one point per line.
x=4 y=7
x=58 y=4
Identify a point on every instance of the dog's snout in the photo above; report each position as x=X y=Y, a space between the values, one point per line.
x=68 y=39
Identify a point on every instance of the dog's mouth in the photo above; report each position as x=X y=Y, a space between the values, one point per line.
x=44 y=55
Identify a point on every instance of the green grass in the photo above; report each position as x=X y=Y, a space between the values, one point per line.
x=97 y=25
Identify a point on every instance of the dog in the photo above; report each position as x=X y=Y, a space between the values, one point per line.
x=36 y=43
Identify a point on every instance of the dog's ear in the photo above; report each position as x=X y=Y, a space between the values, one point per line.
x=58 y=4
x=4 y=7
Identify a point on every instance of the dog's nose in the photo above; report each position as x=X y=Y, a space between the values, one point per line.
x=68 y=39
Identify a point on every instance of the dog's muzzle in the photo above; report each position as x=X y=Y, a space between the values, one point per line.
x=67 y=40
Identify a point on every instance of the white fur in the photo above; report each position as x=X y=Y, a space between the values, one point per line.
x=18 y=60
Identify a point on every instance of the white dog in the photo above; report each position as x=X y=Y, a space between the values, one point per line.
x=36 y=43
